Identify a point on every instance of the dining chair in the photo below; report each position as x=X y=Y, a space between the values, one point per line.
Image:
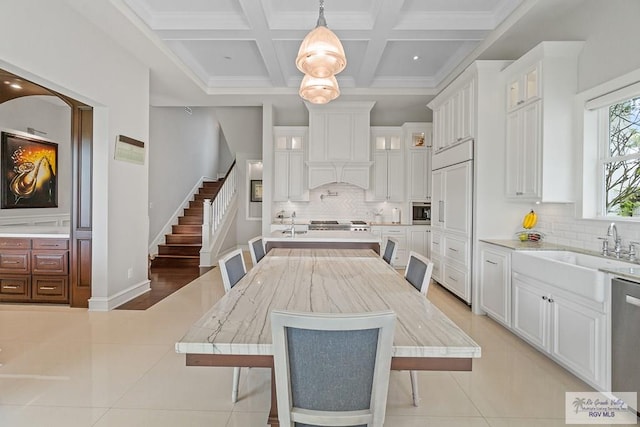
x=232 y=269
x=390 y=249
x=332 y=369
x=418 y=274
x=256 y=247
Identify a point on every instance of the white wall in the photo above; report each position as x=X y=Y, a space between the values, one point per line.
x=183 y=148
x=242 y=128
x=44 y=114
x=609 y=52
x=61 y=50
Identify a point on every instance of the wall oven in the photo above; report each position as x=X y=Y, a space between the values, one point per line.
x=421 y=213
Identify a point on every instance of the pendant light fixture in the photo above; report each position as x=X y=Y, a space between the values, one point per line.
x=319 y=90
x=321 y=54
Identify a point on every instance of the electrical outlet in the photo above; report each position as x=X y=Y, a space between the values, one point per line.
x=130 y=273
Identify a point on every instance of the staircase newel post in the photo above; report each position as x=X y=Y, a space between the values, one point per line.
x=206 y=223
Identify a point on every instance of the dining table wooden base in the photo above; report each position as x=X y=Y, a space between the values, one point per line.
x=266 y=361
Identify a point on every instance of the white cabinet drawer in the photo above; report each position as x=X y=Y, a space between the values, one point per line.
x=456 y=249
x=455 y=280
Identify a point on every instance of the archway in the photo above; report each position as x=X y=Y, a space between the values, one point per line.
x=13 y=87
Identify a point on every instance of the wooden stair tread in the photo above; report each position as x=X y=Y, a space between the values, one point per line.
x=177 y=256
x=186 y=236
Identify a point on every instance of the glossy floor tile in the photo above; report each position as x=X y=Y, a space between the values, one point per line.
x=69 y=367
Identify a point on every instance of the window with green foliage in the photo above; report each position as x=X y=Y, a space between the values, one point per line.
x=621 y=160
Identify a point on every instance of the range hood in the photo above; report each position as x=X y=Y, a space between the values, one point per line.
x=339 y=143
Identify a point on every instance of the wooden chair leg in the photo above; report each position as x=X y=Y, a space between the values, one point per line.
x=236 y=383
x=414 y=387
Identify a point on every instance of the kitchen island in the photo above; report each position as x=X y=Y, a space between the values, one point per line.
x=323 y=239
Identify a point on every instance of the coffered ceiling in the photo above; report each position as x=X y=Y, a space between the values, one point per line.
x=249 y=46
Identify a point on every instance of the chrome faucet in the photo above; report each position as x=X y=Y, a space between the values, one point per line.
x=293 y=224
x=612 y=231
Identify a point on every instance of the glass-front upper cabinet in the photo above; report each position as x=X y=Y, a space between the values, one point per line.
x=524 y=87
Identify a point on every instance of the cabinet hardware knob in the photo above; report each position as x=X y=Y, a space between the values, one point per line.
x=452 y=279
x=9 y=287
x=47 y=288
x=11 y=262
x=491 y=262
x=550 y=300
x=453 y=250
x=544 y=297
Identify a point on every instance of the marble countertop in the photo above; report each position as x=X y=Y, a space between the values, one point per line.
x=327 y=281
x=632 y=272
x=34 y=232
x=517 y=245
x=324 y=236
x=287 y=222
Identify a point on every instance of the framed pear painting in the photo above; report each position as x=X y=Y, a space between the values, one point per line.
x=29 y=172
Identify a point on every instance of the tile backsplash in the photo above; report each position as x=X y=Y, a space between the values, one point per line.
x=560 y=225
x=348 y=204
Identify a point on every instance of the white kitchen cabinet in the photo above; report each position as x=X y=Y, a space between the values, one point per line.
x=388 y=165
x=436 y=254
x=571 y=333
x=451 y=219
x=418 y=141
x=523 y=156
x=540 y=92
x=454 y=117
x=530 y=312
x=397 y=233
x=420 y=239
x=289 y=175
x=524 y=86
x=451 y=201
x=495 y=282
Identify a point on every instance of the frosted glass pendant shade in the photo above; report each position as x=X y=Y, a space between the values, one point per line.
x=319 y=90
x=321 y=54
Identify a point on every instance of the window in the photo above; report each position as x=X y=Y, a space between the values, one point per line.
x=620 y=148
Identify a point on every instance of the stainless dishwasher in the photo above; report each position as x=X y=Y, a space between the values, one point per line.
x=625 y=336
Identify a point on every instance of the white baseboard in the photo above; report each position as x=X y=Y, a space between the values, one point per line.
x=109 y=303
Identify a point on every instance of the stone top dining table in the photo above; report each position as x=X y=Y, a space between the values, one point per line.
x=236 y=330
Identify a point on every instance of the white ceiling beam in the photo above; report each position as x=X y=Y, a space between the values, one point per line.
x=386 y=19
x=255 y=15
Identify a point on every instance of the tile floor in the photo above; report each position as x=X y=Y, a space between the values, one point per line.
x=70 y=367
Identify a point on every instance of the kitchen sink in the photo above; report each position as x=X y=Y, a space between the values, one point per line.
x=297 y=232
x=583 y=260
x=575 y=272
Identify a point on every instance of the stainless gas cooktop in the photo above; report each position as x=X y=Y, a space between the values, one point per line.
x=338 y=226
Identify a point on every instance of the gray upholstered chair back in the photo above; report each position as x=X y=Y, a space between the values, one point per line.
x=256 y=247
x=418 y=271
x=333 y=367
x=232 y=268
x=390 y=249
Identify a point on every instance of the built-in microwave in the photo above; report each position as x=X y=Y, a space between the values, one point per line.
x=421 y=213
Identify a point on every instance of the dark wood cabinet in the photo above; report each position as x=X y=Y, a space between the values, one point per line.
x=34 y=270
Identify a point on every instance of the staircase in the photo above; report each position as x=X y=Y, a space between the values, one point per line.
x=182 y=246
